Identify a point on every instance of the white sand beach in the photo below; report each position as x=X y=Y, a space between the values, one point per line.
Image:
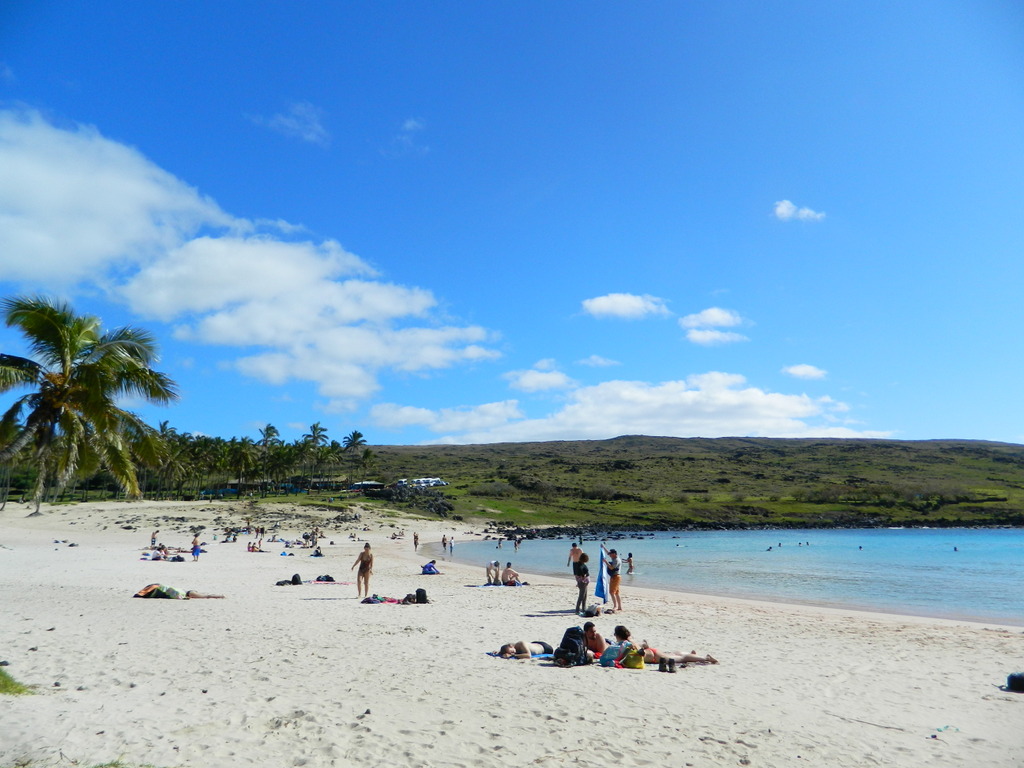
x=309 y=676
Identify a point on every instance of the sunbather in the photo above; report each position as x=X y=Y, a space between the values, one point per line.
x=509 y=577
x=525 y=650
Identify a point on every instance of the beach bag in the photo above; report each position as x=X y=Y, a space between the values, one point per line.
x=421 y=595
x=634 y=658
x=572 y=651
x=1015 y=682
x=296 y=579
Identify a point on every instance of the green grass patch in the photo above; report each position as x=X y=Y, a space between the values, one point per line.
x=11 y=687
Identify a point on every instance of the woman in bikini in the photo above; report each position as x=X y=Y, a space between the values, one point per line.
x=365 y=563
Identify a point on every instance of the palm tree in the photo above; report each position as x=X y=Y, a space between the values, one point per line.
x=269 y=435
x=316 y=438
x=352 y=442
x=71 y=419
x=367 y=462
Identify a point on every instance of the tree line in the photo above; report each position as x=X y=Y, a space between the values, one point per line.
x=70 y=433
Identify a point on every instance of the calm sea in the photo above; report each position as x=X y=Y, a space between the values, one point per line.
x=968 y=574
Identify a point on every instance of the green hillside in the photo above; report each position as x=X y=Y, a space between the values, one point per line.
x=724 y=482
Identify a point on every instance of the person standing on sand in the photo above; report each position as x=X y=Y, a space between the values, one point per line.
x=415 y=542
x=195 y=548
x=614 y=565
x=574 y=558
x=152 y=539
x=582 y=582
x=365 y=563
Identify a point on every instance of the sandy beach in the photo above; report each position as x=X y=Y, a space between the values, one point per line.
x=309 y=676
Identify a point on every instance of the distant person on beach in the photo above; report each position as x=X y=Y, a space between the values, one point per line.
x=170 y=593
x=196 y=549
x=493 y=573
x=444 y=542
x=582 y=582
x=509 y=577
x=430 y=569
x=415 y=542
x=614 y=565
x=574 y=557
x=152 y=539
x=629 y=563
x=365 y=563
x=524 y=650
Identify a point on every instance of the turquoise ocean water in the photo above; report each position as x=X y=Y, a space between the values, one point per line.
x=906 y=571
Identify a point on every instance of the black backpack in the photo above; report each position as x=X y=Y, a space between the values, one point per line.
x=421 y=595
x=572 y=651
x=296 y=579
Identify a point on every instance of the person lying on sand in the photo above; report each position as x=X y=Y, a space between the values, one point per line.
x=653 y=655
x=172 y=593
x=524 y=650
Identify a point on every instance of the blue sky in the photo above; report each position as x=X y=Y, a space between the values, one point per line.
x=480 y=222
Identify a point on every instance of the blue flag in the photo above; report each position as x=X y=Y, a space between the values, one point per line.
x=601 y=590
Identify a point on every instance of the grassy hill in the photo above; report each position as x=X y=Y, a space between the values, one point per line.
x=724 y=482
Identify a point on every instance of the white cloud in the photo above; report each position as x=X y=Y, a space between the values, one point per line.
x=542 y=377
x=302 y=121
x=804 y=371
x=74 y=205
x=406 y=142
x=702 y=327
x=538 y=381
x=80 y=211
x=597 y=361
x=712 y=317
x=787 y=211
x=480 y=417
x=709 y=337
x=626 y=306
x=713 y=404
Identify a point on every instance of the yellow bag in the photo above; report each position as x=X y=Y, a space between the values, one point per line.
x=634 y=658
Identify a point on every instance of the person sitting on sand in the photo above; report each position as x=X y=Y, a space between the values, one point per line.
x=616 y=652
x=493 y=573
x=524 y=650
x=509 y=577
x=593 y=639
x=430 y=569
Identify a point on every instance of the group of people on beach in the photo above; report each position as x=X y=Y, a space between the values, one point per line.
x=162 y=552
x=620 y=651
x=498 y=577
x=578 y=560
